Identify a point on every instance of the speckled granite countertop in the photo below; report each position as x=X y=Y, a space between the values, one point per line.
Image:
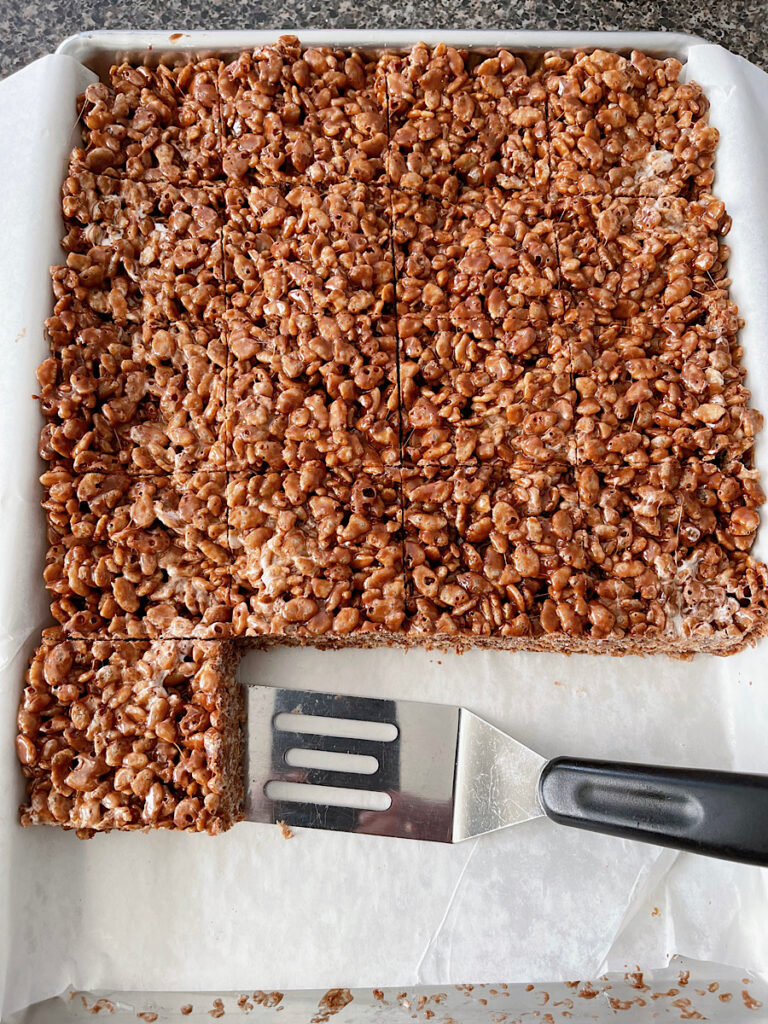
x=35 y=27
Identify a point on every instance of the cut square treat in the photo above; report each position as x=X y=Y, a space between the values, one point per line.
x=143 y=399
x=138 y=252
x=663 y=258
x=466 y=401
x=461 y=121
x=318 y=555
x=309 y=251
x=487 y=263
x=132 y=735
x=645 y=396
x=302 y=115
x=145 y=557
x=658 y=538
x=308 y=225
x=312 y=387
x=492 y=552
x=626 y=126
x=153 y=124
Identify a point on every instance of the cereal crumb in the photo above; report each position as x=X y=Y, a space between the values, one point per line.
x=749 y=1001
x=186 y=1009
x=587 y=991
x=334 y=1000
x=267 y=998
x=635 y=980
x=218 y=1008
x=620 y=1004
x=288 y=832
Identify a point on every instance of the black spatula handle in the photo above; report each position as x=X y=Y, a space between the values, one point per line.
x=720 y=814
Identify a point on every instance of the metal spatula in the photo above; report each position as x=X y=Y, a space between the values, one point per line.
x=437 y=772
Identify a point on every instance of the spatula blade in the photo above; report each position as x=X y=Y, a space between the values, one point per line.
x=408 y=795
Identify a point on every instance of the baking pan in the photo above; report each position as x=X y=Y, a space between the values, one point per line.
x=319 y=911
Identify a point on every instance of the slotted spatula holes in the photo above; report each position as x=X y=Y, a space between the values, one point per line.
x=330 y=796
x=349 y=728
x=331 y=761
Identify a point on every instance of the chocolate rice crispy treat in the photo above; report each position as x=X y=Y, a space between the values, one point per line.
x=487 y=261
x=153 y=125
x=312 y=388
x=138 y=253
x=626 y=127
x=143 y=399
x=663 y=258
x=466 y=402
x=310 y=327
x=318 y=555
x=645 y=396
x=458 y=121
x=132 y=735
x=491 y=551
x=502 y=558
x=659 y=539
x=134 y=558
x=314 y=252
x=313 y=116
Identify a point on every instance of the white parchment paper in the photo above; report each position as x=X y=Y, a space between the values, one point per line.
x=251 y=910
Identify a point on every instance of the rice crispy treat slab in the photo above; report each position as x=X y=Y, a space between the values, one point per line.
x=311 y=328
x=460 y=122
x=153 y=125
x=484 y=365
x=318 y=556
x=294 y=115
x=135 y=558
x=139 y=253
x=132 y=735
x=626 y=127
